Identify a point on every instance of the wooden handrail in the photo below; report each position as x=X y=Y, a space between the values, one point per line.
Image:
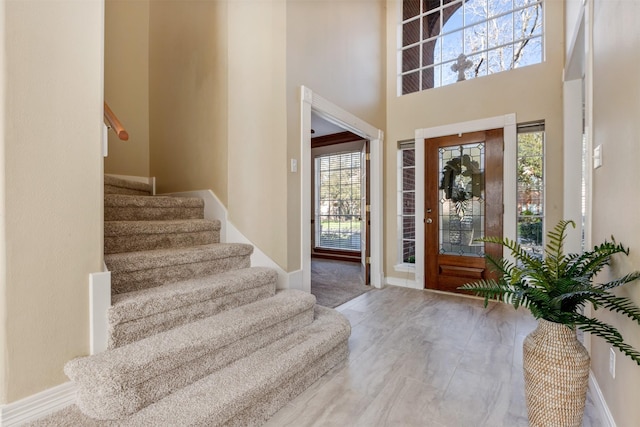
x=114 y=123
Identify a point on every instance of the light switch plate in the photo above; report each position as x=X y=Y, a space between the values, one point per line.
x=597 y=157
x=294 y=165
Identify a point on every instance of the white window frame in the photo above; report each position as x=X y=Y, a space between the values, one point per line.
x=401 y=265
x=318 y=223
x=422 y=67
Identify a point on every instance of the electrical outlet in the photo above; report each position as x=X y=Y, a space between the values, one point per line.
x=612 y=362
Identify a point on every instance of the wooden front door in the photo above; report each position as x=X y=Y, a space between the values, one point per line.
x=463 y=202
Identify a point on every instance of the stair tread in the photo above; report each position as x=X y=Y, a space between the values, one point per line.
x=125 y=183
x=215 y=399
x=245 y=392
x=144 y=260
x=121 y=381
x=124 y=228
x=172 y=296
x=125 y=200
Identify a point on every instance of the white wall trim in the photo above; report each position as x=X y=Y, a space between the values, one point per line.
x=508 y=123
x=99 y=303
x=403 y=283
x=310 y=101
x=601 y=405
x=38 y=405
x=215 y=209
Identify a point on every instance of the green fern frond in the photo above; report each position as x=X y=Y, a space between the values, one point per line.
x=608 y=333
x=619 y=282
x=620 y=305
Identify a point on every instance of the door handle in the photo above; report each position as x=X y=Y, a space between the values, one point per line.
x=429 y=221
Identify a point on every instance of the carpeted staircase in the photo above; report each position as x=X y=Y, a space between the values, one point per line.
x=197 y=337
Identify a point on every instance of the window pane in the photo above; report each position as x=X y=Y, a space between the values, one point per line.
x=431 y=53
x=500 y=59
x=411 y=83
x=479 y=66
x=411 y=32
x=410 y=8
x=530 y=200
x=431 y=25
x=510 y=32
x=406 y=200
x=431 y=77
x=338 y=201
x=500 y=31
x=528 y=22
x=528 y=52
x=409 y=203
x=452 y=46
x=411 y=58
x=475 y=38
x=408 y=157
x=475 y=11
x=448 y=75
x=496 y=7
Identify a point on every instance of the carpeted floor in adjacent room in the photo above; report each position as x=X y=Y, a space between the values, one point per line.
x=336 y=282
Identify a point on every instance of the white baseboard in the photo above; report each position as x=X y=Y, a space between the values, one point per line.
x=38 y=405
x=214 y=209
x=99 y=303
x=601 y=405
x=404 y=283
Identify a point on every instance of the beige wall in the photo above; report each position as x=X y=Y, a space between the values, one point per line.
x=337 y=49
x=52 y=194
x=616 y=108
x=126 y=84
x=257 y=124
x=188 y=95
x=533 y=93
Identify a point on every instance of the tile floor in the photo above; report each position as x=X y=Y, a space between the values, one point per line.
x=423 y=359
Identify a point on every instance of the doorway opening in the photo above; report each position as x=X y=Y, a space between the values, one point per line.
x=339 y=244
x=314 y=106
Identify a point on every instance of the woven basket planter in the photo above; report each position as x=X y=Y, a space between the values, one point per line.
x=556 y=376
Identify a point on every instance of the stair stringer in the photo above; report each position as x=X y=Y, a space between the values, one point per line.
x=229 y=233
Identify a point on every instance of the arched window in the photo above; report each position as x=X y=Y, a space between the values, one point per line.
x=445 y=41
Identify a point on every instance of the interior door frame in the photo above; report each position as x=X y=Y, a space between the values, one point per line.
x=509 y=125
x=310 y=101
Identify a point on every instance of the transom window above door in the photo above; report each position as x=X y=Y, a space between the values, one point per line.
x=447 y=41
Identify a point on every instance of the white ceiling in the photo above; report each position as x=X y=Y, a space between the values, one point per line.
x=323 y=127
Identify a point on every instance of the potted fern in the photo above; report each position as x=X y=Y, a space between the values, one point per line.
x=556 y=289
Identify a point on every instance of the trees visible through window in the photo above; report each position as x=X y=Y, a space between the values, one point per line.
x=530 y=181
x=338 y=201
x=446 y=41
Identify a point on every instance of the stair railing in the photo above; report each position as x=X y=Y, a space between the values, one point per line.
x=115 y=124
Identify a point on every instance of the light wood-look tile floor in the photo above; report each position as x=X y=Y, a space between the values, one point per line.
x=421 y=358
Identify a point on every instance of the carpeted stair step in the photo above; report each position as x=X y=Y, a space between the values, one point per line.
x=119 y=382
x=137 y=315
x=134 y=271
x=118 y=207
x=131 y=236
x=113 y=185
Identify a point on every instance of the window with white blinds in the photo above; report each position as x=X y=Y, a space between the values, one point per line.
x=338 y=201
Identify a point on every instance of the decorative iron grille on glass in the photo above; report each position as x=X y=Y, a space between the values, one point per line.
x=338 y=201
x=446 y=41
